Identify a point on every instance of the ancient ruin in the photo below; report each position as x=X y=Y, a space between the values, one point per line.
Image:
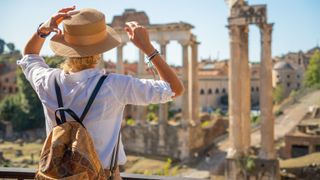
x=161 y=138
x=241 y=16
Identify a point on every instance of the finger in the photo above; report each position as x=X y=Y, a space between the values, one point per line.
x=57 y=30
x=64 y=10
x=128 y=30
x=60 y=17
x=132 y=24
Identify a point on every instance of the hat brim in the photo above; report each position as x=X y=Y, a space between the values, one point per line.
x=62 y=48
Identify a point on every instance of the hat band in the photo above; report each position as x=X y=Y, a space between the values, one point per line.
x=85 y=40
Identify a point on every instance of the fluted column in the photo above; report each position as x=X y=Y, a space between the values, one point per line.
x=266 y=104
x=193 y=76
x=235 y=127
x=185 y=75
x=120 y=68
x=245 y=90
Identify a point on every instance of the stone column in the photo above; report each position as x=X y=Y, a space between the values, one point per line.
x=193 y=76
x=266 y=104
x=163 y=108
x=235 y=127
x=245 y=90
x=185 y=73
x=120 y=68
x=142 y=110
x=141 y=64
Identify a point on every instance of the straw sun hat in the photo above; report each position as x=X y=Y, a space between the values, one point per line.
x=85 y=34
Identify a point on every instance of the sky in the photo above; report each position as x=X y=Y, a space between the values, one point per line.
x=296 y=23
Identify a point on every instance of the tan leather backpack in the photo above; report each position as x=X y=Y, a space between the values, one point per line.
x=68 y=152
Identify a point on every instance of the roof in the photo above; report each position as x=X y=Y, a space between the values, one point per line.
x=282 y=65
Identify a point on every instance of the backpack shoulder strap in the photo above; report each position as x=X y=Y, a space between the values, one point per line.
x=114 y=156
x=60 y=103
x=93 y=96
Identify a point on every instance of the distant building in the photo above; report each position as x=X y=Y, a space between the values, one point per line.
x=213 y=83
x=288 y=70
x=8 y=79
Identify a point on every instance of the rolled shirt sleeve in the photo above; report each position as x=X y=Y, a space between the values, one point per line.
x=130 y=90
x=34 y=68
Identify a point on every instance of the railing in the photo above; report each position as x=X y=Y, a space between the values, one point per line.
x=25 y=173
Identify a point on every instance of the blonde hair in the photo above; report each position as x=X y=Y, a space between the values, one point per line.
x=75 y=64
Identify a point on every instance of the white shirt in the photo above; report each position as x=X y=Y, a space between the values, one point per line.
x=103 y=120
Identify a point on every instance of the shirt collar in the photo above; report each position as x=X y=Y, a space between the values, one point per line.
x=81 y=76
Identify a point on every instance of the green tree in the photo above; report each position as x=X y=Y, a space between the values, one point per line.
x=312 y=75
x=11 y=47
x=278 y=93
x=24 y=109
x=2 y=43
x=12 y=111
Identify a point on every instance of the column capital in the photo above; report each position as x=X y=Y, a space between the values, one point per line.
x=266 y=31
x=163 y=42
x=184 y=42
x=121 y=45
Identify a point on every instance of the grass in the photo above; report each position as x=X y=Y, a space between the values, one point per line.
x=301 y=161
x=9 y=150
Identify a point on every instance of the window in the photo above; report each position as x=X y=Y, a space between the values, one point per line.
x=217 y=91
x=7 y=80
x=278 y=76
x=257 y=89
x=224 y=90
x=298 y=76
x=298 y=85
x=317 y=148
x=210 y=91
x=288 y=76
x=288 y=84
x=10 y=90
x=252 y=89
x=201 y=91
x=299 y=150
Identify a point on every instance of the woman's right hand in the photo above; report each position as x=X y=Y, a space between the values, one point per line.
x=51 y=25
x=139 y=36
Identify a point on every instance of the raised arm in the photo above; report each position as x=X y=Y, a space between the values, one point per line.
x=35 y=43
x=140 y=38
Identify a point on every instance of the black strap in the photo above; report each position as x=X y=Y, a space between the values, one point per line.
x=61 y=109
x=92 y=97
x=114 y=157
x=60 y=103
x=70 y=112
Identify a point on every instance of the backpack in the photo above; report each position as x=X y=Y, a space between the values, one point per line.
x=68 y=152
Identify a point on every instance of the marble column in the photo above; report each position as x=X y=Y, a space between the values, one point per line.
x=120 y=68
x=266 y=105
x=235 y=127
x=141 y=64
x=193 y=76
x=163 y=108
x=185 y=73
x=142 y=110
x=245 y=90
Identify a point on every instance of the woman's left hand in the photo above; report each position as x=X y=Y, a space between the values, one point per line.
x=51 y=25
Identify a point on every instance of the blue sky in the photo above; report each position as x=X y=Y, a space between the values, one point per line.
x=297 y=25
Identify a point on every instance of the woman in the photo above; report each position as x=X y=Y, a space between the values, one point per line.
x=85 y=37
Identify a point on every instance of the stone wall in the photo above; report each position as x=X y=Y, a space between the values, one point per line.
x=178 y=141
